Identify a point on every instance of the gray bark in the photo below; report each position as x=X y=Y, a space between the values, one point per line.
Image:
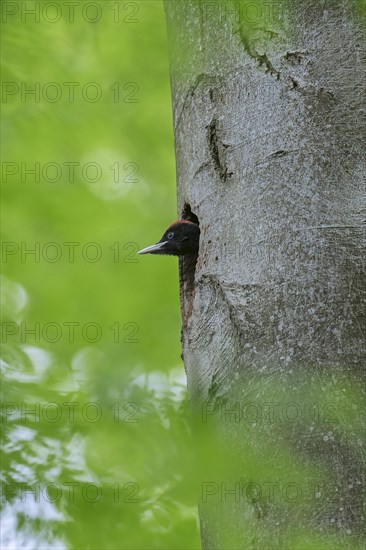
x=269 y=129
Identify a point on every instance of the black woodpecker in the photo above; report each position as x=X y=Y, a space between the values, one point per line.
x=181 y=238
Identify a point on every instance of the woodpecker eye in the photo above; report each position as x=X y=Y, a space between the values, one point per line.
x=170 y=235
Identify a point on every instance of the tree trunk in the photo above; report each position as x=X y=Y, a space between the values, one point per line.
x=269 y=124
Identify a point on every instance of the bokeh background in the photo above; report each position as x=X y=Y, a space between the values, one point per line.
x=96 y=444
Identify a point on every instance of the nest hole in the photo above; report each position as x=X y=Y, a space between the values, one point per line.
x=188 y=265
x=188 y=215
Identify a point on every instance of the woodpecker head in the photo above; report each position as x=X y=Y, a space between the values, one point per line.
x=182 y=237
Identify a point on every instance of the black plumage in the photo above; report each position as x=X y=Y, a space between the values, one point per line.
x=181 y=238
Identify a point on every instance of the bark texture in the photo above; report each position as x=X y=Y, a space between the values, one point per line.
x=269 y=120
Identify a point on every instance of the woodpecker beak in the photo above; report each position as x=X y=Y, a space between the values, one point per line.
x=152 y=248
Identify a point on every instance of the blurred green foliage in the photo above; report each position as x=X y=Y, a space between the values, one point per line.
x=120 y=286
x=96 y=438
x=101 y=115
